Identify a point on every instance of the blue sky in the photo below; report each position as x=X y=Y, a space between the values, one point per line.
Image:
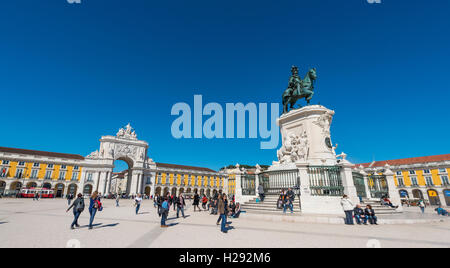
x=70 y=73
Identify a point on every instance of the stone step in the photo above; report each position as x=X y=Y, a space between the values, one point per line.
x=265 y=207
x=268 y=210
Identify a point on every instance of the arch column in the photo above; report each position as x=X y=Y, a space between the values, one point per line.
x=83 y=178
x=108 y=183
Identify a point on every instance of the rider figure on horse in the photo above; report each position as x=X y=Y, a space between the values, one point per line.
x=295 y=82
x=298 y=88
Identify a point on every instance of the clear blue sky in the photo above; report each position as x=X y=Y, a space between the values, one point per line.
x=70 y=73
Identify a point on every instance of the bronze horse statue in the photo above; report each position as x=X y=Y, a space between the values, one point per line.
x=298 y=88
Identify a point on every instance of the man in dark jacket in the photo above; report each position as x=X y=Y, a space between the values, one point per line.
x=180 y=205
x=78 y=207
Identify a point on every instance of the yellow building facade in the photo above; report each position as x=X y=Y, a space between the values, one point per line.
x=21 y=168
x=419 y=178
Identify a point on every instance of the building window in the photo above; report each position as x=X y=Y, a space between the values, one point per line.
x=48 y=175
x=89 y=177
x=412 y=172
x=399 y=173
x=148 y=181
x=442 y=170
x=19 y=173
x=34 y=174
x=21 y=163
x=414 y=182
x=63 y=166
x=36 y=164
x=50 y=166
x=75 y=176
x=429 y=181
x=445 y=180
x=76 y=167
x=62 y=175
x=5 y=162
x=426 y=171
x=4 y=172
x=400 y=182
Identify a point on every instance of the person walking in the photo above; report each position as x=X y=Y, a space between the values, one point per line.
x=196 y=202
x=348 y=207
x=138 y=201
x=261 y=192
x=78 y=208
x=69 y=199
x=370 y=214
x=180 y=206
x=155 y=200
x=222 y=213
x=175 y=201
x=94 y=206
x=117 y=200
x=165 y=207
x=422 y=206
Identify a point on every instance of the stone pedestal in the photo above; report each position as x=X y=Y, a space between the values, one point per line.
x=307 y=146
x=309 y=127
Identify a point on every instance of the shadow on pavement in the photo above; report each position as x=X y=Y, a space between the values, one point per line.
x=108 y=225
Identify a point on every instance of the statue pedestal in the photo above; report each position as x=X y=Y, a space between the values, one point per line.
x=314 y=122
x=307 y=148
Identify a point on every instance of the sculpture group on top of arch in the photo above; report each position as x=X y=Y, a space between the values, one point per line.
x=127 y=133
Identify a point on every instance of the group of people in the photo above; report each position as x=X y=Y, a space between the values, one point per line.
x=78 y=207
x=362 y=216
x=164 y=203
x=286 y=200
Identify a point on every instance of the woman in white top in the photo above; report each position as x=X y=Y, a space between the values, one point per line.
x=348 y=207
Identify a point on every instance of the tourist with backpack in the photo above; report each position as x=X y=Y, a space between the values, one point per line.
x=78 y=208
x=94 y=206
x=165 y=207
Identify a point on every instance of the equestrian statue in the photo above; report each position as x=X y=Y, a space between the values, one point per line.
x=298 y=88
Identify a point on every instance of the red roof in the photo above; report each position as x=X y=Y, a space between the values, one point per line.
x=40 y=153
x=409 y=161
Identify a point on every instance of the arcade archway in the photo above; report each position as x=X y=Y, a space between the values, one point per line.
x=403 y=194
x=31 y=185
x=73 y=189
x=2 y=187
x=417 y=194
x=16 y=186
x=87 y=190
x=433 y=196
x=446 y=196
x=158 y=191
x=59 y=190
x=147 y=190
